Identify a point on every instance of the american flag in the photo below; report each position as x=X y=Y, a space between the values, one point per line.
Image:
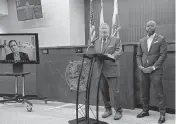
x=115 y=21
x=92 y=23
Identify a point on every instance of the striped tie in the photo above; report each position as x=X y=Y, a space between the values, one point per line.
x=103 y=44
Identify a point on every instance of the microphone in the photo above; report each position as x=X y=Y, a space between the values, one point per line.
x=92 y=42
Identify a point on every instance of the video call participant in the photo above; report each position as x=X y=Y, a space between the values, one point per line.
x=16 y=55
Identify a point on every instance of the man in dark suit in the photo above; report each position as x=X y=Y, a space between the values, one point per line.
x=16 y=55
x=151 y=54
x=112 y=47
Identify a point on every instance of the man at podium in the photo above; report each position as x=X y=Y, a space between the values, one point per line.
x=109 y=71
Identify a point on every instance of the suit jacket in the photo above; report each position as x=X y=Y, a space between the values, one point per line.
x=113 y=46
x=156 y=54
x=23 y=56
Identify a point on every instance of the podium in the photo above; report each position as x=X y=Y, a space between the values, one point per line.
x=92 y=57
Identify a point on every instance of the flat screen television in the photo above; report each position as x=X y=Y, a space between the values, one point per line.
x=22 y=48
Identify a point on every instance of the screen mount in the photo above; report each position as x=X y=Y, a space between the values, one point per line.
x=18 y=68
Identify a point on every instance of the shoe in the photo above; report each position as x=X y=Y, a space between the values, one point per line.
x=118 y=115
x=107 y=113
x=143 y=114
x=161 y=119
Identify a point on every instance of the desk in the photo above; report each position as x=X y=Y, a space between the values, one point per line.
x=18 y=98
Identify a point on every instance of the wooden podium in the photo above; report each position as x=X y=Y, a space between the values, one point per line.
x=86 y=120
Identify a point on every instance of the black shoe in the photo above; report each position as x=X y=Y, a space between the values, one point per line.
x=143 y=114
x=161 y=119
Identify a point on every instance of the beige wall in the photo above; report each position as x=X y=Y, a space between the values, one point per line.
x=77 y=22
x=62 y=23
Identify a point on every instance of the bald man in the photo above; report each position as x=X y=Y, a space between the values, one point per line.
x=112 y=47
x=151 y=54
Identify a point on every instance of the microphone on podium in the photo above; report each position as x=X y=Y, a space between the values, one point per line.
x=92 y=42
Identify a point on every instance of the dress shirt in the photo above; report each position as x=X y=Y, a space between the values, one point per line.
x=149 y=41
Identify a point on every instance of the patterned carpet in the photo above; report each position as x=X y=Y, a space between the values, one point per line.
x=61 y=113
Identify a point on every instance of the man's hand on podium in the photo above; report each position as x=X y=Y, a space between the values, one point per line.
x=110 y=56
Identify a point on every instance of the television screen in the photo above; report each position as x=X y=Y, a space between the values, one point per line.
x=19 y=48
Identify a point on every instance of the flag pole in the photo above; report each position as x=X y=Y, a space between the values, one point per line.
x=115 y=20
x=91 y=26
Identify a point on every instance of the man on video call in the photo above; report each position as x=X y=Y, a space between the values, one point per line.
x=16 y=54
x=112 y=47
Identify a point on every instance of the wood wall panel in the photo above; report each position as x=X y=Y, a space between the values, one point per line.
x=127 y=62
x=7 y=84
x=48 y=78
x=168 y=82
x=51 y=76
x=134 y=14
x=51 y=83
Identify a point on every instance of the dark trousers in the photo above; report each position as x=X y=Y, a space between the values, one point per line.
x=156 y=82
x=110 y=85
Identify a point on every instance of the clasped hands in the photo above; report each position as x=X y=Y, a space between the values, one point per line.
x=146 y=70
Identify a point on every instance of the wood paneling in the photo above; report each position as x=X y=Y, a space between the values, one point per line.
x=168 y=82
x=7 y=84
x=51 y=80
x=127 y=62
x=51 y=76
x=134 y=14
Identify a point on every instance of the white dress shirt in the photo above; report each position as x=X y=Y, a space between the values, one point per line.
x=149 y=41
